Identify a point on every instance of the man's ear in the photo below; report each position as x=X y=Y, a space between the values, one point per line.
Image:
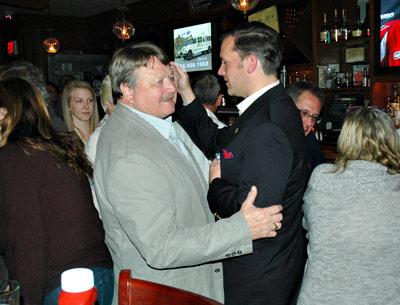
x=251 y=62
x=218 y=101
x=126 y=91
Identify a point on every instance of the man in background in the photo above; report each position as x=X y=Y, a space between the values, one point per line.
x=32 y=74
x=309 y=99
x=208 y=92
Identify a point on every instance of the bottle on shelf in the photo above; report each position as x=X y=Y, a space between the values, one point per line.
x=346 y=83
x=325 y=34
x=283 y=76
x=335 y=31
x=365 y=78
x=77 y=287
x=297 y=77
x=396 y=96
x=344 y=28
x=366 y=29
x=357 y=32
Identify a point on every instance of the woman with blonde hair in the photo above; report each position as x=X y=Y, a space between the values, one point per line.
x=352 y=213
x=108 y=104
x=80 y=108
x=47 y=219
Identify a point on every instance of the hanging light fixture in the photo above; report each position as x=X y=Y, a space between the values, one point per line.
x=51 y=44
x=244 y=5
x=123 y=29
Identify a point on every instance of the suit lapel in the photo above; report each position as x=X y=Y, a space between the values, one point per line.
x=260 y=104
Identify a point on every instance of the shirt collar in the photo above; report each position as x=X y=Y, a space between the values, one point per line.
x=247 y=102
x=163 y=126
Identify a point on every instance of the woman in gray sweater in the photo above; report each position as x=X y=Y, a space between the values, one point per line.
x=352 y=214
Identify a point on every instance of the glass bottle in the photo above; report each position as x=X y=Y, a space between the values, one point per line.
x=366 y=28
x=395 y=93
x=344 y=29
x=357 y=28
x=365 y=79
x=283 y=76
x=346 y=80
x=335 y=31
x=325 y=34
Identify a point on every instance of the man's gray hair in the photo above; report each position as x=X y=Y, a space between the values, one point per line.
x=206 y=88
x=296 y=89
x=127 y=60
x=27 y=71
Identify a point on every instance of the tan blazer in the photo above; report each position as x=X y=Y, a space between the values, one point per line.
x=153 y=204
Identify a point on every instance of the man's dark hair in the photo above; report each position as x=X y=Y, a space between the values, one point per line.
x=296 y=89
x=206 y=88
x=261 y=40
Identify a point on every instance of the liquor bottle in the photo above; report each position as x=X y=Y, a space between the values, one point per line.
x=357 y=32
x=366 y=28
x=346 y=81
x=365 y=79
x=297 y=77
x=325 y=34
x=335 y=31
x=283 y=76
x=396 y=96
x=344 y=28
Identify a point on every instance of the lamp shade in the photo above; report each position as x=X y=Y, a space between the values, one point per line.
x=51 y=45
x=244 y=5
x=123 y=29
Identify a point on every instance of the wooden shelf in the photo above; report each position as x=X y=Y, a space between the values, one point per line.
x=362 y=41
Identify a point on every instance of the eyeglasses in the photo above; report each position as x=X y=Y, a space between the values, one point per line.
x=314 y=117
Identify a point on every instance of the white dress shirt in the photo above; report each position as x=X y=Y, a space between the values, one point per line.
x=248 y=101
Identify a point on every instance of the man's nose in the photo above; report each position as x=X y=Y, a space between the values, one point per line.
x=221 y=71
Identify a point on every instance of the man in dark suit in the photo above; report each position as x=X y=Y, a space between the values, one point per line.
x=265 y=147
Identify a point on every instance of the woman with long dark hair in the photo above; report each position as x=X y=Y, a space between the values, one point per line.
x=48 y=222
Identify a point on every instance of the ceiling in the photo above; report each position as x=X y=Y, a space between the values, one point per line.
x=75 y=8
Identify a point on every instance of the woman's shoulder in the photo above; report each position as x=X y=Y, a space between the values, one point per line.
x=322 y=174
x=324 y=169
x=24 y=151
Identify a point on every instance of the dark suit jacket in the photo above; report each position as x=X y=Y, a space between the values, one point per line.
x=264 y=147
x=315 y=155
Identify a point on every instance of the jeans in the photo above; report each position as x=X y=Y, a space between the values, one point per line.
x=103 y=281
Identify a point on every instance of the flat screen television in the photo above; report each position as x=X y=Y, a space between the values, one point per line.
x=193 y=47
x=387 y=35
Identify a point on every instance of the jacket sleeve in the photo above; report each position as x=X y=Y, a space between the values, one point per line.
x=146 y=208
x=201 y=129
x=266 y=164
